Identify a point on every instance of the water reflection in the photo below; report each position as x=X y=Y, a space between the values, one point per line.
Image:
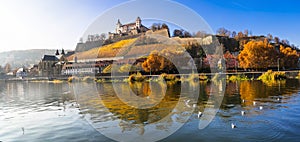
x=112 y=116
x=46 y=108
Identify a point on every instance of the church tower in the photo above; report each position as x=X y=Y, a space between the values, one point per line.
x=138 y=23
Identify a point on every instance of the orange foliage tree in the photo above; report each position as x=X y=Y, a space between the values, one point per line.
x=258 y=55
x=288 y=57
x=153 y=62
x=161 y=61
x=261 y=54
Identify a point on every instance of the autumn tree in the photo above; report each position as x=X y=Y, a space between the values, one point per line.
x=195 y=50
x=288 y=57
x=257 y=55
x=164 y=60
x=153 y=62
x=240 y=35
x=230 y=60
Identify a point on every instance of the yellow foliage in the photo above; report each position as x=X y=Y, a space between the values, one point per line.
x=288 y=57
x=257 y=54
x=113 y=49
x=110 y=50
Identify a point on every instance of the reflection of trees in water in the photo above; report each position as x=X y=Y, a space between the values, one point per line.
x=252 y=90
x=142 y=89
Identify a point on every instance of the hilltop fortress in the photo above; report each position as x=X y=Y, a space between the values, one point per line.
x=122 y=31
x=128 y=29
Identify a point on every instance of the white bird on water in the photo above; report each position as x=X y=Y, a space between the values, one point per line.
x=243 y=113
x=254 y=103
x=260 y=107
x=278 y=99
x=199 y=114
x=233 y=126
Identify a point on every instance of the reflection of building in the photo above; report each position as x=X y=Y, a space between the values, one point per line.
x=129 y=29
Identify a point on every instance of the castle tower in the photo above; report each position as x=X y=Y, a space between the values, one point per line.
x=118 y=27
x=138 y=22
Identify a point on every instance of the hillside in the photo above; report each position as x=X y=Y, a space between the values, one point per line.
x=135 y=47
x=109 y=50
x=23 y=57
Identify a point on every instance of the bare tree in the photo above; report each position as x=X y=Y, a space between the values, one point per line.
x=246 y=33
x=7 y=68
x=223 y=32
x=102 y=36
x=233 y=34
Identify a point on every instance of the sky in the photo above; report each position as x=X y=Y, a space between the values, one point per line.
x=56 y=24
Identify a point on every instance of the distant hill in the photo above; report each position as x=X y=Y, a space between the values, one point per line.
x=21 y=58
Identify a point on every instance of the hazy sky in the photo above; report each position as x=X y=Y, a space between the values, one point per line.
x=56 y=24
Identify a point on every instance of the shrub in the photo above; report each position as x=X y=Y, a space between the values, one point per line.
x=238 y=78
x=272 y=76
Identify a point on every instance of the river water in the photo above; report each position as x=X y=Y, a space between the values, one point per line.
x=36 y=111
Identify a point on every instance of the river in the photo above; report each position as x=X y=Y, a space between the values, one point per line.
x=42 y=111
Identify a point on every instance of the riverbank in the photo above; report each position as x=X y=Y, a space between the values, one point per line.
x=232 y=76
